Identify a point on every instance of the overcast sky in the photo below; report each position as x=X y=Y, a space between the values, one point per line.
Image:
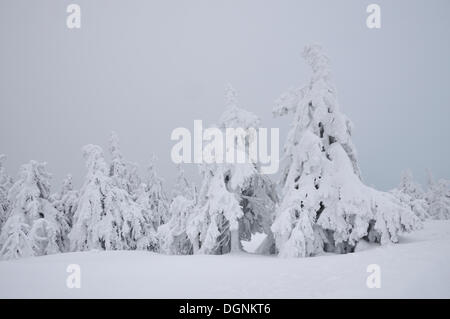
x=143 y=68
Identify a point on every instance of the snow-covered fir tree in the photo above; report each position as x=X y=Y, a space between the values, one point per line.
x=5 y=184
x=134 y=179
x=325 y=206
x=257 y=194
x=183 y=186
x=234 y=200
x=150 y=239
x=411 y=194
x=214 y=227
x=173 y=236
x=409 y=186
x=32 y=228
x=438 y=198
x=159 y=203
x=66 y=202
x=15 y=240
x=118 y=169
x=258 y=200
x=124 y=174
x=106 y=217
x=418 y=206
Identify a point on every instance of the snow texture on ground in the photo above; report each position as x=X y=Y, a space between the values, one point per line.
x=417 y=267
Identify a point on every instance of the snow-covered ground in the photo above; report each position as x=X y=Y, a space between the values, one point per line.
x=418 y=267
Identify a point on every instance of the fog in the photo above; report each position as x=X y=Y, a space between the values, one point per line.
x=143 y=68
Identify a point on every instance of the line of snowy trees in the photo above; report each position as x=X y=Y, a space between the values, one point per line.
x=320 y=203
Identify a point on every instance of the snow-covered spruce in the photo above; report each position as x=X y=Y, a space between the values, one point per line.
x=123 y=173
x=183 y=186
x=256 y=192
x=234 y=200
x=66 y=202
x=33 y=224
x=106 y=217
x=5 y=184
x=325 y=206
x=409 y=186
x=438 y=198
x=172 y=236
x=411 y=194
x=214 y=226
x=159 y=203
x=150 y=240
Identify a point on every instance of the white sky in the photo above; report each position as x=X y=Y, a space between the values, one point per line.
x=143 y=68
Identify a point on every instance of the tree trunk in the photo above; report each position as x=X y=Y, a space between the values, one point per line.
x=235 y=243
x=195 y=245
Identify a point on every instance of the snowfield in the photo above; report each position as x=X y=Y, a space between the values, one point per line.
x=417 y=267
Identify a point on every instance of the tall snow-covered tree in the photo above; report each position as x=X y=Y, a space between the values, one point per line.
x=325 y=206
x=258 y=201
x=438 y=199
x=150 y=239
x=106 y=217
x=411 y=194
x=134 y=180
x=118 y=169
x=409 y=186
x=173 y=236
x=234 y=201
x=5 y=185
x=214 y=227
x=159 y=203
x=124 y=173
x=15 y=240
x=183 y=186
x=257 y=194
x=66 y=202
x=32 y=228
